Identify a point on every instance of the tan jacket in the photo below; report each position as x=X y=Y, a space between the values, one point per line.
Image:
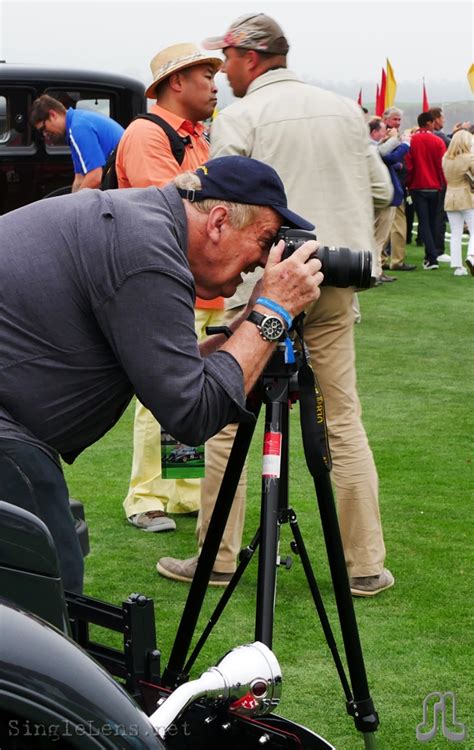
x=458 y=192
x=318 y=143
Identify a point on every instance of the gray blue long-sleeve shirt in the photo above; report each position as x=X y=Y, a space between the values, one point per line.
x=96 y=304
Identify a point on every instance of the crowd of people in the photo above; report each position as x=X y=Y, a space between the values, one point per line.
x=144 y=272
x=430 y=179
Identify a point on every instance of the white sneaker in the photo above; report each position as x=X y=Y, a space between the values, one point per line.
x=444 y=258
x=460 y=271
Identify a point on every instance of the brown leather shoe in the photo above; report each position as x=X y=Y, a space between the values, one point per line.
x=403 y=267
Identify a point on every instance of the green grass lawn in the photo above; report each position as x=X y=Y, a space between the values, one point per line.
x=415 y=369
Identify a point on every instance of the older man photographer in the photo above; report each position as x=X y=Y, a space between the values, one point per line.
x=97 y=294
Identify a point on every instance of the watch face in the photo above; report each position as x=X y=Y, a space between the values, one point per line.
x=272 y=328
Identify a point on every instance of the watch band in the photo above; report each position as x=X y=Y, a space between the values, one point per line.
x=258 y=319
x=275 y=307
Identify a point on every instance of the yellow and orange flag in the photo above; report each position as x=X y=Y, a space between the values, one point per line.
x=470 y=77
x=391 y=86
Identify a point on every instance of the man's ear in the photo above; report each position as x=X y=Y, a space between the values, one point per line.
x=175 y=81
x=253 y=59
x=217 y=218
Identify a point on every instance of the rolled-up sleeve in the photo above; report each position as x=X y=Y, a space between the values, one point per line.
x=149 y=323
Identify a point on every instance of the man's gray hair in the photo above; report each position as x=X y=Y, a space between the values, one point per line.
x=241 y=215
x=392 y=111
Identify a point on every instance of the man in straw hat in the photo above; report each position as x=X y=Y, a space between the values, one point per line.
x=185 y=93
x=317 y=141
x=109 y=312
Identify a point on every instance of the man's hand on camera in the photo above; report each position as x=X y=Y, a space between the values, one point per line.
x=292 y=283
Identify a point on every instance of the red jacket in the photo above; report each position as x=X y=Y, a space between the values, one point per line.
x=423 y=162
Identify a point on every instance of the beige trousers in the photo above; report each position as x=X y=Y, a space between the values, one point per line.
x=148 y=490
x=383 y=218
x=329 y=337
x=398 y=236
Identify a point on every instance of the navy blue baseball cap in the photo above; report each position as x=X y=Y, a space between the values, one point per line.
x=240 y=179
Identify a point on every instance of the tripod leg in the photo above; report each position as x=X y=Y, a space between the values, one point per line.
x=173 y=674
x=246 y=555
x=274 y=498
x=318 y=602
x=318 y=459
x=362 y=707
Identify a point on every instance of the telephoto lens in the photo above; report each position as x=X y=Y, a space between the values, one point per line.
x=341 y=266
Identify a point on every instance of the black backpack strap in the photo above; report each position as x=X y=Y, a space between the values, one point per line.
x=178 y=143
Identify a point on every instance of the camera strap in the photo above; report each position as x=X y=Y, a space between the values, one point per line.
x=312 y=413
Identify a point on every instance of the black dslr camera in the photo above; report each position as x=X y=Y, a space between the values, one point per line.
x=341 y=266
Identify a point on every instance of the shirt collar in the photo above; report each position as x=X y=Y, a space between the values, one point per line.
x=177 y=122
x=272 y=76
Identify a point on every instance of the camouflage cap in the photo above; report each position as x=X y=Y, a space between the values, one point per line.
x=254 y=31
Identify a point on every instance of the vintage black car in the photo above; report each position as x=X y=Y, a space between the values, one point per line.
x=54 y=695
x=30 y=169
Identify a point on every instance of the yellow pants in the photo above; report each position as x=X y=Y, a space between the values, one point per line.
x=148 y=490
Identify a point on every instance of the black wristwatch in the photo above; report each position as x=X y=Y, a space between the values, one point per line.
x=270 y=327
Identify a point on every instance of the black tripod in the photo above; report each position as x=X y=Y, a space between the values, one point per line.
x=278 y=386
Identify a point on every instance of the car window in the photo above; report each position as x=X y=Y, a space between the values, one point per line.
x=95 y=105
x=14 y=129
x=93 y=100
x=3 y=119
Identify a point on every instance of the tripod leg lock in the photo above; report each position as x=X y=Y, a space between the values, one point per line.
x=364 y=714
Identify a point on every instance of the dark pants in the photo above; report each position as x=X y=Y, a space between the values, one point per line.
x=440 y=223
x=33 y=481
x=426 y=206
x=410 y=215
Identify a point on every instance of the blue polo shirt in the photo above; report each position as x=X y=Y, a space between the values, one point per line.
x=91 y=137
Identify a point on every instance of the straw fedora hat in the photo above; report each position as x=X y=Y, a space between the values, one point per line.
x=177 y=57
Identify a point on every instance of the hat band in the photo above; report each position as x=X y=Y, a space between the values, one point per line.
x=178 y=61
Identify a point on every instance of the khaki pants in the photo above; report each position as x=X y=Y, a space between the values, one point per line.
x=398 y=236
x=383 y=218
x=148 y=490
x=329 y=337
x=217 y=454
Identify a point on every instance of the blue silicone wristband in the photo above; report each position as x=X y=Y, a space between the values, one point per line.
x=275 y=307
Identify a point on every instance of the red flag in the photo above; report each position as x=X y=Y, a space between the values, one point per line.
x=359 y=98
x=426 y=106
x=380 y=104
x=377 y=97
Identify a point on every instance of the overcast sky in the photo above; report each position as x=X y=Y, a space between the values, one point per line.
x=338 y=41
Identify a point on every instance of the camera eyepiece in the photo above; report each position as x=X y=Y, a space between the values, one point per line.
x=341 y=266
